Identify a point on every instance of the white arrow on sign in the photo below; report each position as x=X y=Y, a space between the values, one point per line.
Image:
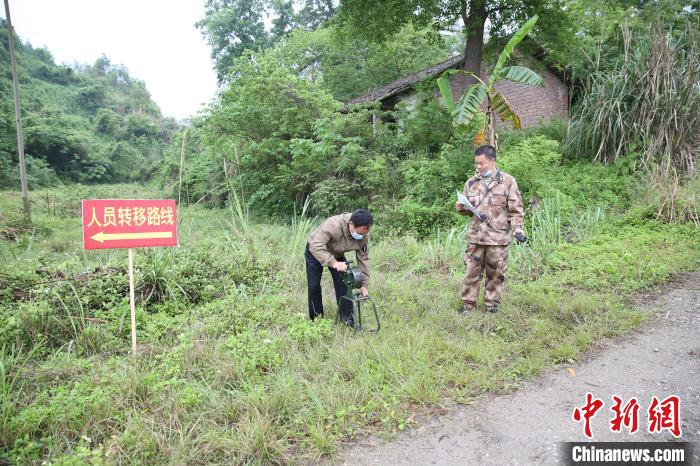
x=102 y=236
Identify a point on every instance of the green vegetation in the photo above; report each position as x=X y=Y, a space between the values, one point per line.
x=468 y=107
x=230 y=370
x=82 y=123
x=233 y=26
x=631 y=108
x=642 y=111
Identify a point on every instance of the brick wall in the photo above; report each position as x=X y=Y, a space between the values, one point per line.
x=532 y=104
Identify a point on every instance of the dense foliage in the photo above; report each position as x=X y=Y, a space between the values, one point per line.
x=646 y=103
x=233 y=26
x=228 y=356
x=596 y=43
x=329 y=56
x=84 y=123
x=229 y=368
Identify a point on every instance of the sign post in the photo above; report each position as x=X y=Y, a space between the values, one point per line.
x=132 y=304
x=129 y=223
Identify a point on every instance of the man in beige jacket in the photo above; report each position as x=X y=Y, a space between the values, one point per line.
x=326 y=248
x=495 y=195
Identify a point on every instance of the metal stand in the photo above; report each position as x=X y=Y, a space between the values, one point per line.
x=357 y=301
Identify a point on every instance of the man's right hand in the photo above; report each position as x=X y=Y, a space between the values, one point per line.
x=460 y=208
x=340 y=266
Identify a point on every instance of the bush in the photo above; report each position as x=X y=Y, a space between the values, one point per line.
x=411 y=217
x=334 y=195
x=429 y=179
x=638 y=105
x=427 y=126
x=554 y=129
x=533 y=163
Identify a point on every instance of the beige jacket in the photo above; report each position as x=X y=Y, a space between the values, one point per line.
x=332 y=239
x=502 y=203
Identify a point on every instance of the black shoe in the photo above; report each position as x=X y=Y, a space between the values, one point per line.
x=466 y=310
x=350 y=322
x=492 y=309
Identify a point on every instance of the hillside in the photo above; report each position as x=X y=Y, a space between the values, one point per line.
x=82 y=123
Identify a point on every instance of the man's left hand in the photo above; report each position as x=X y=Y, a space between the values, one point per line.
x=520 y=237
x=363 y=291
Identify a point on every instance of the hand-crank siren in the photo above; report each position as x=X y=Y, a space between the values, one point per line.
x=352 y=278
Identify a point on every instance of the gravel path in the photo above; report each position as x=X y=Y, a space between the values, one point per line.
x=526 y=427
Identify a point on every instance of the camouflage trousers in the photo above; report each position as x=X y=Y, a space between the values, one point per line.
x=481 y=258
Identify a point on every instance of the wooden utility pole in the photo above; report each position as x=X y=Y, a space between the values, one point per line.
x=18 y=114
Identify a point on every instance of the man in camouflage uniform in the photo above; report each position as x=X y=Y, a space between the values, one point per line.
x=496 y=197
x=327 y=247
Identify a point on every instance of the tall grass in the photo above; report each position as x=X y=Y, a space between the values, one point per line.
x=648 y=105
x=547 y=222
x=12 y=363
x=244 y=377
x=238 y=227
x=300 y=229
x=445 y=247
x=584 y=226
x=156 y=280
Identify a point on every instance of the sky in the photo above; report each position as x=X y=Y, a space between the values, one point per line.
x=155 y=39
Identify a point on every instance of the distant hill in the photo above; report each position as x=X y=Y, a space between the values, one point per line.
x=82 y=123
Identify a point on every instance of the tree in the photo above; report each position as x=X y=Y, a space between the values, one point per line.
x=284 y=21
x=470 y=103
x=324 y=56
x=125 y=162
x=233 y=26
x=108 y=122
x=230 y=27
x=252 y=127
x=380 y=20
x=315 y=13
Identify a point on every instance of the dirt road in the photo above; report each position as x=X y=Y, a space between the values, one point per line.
x=526 y=427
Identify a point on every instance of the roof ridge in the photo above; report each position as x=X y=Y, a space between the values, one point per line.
x=406 y=82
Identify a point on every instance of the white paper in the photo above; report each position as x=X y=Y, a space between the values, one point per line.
x=468 y=205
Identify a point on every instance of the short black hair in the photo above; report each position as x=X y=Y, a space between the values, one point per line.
x=361 y=218
x=486 y=150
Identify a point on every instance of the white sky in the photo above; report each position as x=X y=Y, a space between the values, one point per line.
x=155 y=39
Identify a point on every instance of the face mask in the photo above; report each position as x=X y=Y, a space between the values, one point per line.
x=488 y=173
x=356 y=235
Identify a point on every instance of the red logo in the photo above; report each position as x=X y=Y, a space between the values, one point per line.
x=129 y=223
x=627 y=416
x=586 y=412
x=663 y=415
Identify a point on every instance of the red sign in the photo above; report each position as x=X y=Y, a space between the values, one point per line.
x=129 y=223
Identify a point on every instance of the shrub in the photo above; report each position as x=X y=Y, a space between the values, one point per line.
x=638 y=105
x=533 y=162
x=428 y=125
x=410 y=216
x=554 y=129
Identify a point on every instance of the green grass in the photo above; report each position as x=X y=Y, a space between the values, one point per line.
x=232 y=370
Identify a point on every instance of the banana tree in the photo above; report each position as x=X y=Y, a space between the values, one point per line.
x=471 y=102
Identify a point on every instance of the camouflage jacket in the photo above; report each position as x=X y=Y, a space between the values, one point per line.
x=502 y=203
x=332 y=239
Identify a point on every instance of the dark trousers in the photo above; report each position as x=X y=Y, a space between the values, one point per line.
x=314 y=270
